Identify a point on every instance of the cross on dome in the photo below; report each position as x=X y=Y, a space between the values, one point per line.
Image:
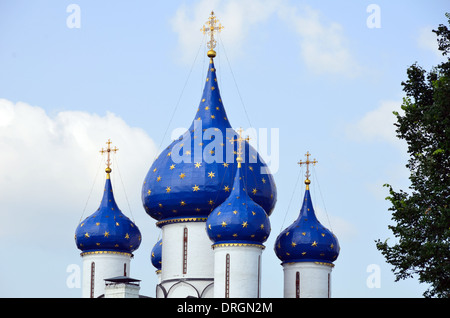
x=239 y=151
x=108 y=151
x=307 y=163
x=211 y=27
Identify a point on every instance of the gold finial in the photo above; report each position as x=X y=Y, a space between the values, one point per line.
x=307 y=162
x=239 y=152
x=211 y=26
x=108 y=160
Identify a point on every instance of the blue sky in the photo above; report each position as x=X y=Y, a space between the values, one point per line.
x=134 y=70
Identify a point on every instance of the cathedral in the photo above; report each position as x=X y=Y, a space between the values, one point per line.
x=212 y=196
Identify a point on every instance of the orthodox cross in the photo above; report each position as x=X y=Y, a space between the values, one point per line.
x=307 y=163
x=239 y=159
x=108 y=151
x=212 y=26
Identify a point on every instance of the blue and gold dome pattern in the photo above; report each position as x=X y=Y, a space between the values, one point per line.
x=307 y=240
x=194 y=174
x=107 y=229
x=238 y=219
x=156 y=255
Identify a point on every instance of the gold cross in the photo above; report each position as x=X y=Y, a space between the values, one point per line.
x=211 y=27
x=307 y=162
x=239 y=152
x=108 y=151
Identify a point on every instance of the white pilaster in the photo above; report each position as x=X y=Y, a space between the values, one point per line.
x=307 y=280
x=237 y=270
x=98 y=266
x=187 y=260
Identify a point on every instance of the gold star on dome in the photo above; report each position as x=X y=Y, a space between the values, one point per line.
x=224 y=224
x=211 y=202
x=168 y=189
x=106 y=234
x=198 y=164
x=225 y=165
x=226 y=189
x=182 y=175
x=127 y=236
x=244 y=224
x=211 y=174
x=293 y=244
x=172 y=167
x=86 y=235
x=254 y=191
x=182 y=203
x=235 y=212
x=314 y=244
x=149 y=192
x=195 y=188
x=158 y=179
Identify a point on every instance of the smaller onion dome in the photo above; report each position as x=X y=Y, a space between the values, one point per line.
x=107 y=229
x=156 y=256
x=238 y=219
x=307 y=240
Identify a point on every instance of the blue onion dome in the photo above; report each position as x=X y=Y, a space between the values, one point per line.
x=156 y=255
x=238 y=219
x=194 y=174
x=307 y=240
x=107 y=229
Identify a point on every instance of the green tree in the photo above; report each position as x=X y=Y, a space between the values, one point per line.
x=422 y=215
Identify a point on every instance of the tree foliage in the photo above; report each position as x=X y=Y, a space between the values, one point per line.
x=422 y=215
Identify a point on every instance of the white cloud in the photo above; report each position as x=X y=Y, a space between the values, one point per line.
x=427 y=40
x=48 y=164
x=377 y=124
x=323 y=46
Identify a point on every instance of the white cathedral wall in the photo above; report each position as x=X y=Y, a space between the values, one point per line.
x=186 y=274
x=314 y=280
x=107 y=265
x=244 y=276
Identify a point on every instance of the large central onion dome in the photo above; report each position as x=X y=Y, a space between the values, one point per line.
x=195 y=173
